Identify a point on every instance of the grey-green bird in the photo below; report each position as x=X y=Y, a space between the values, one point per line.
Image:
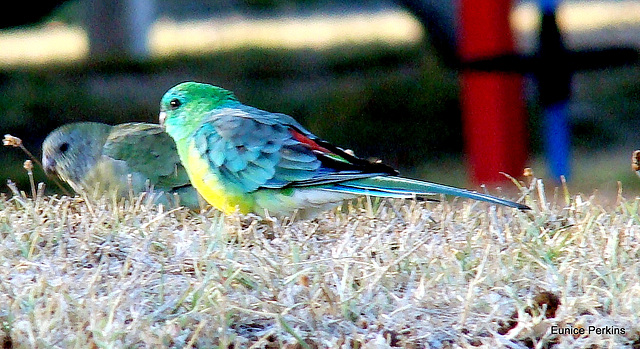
x=96 y=158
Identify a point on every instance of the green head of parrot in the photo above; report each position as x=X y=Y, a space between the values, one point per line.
x=185 y=105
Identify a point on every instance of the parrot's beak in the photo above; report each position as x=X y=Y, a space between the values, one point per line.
x=161 y=117
x=635 y=162
x=49 y=166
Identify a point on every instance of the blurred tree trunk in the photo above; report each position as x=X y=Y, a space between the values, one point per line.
x=119 y=29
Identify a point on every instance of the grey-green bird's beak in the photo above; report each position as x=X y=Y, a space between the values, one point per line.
x=49 y=166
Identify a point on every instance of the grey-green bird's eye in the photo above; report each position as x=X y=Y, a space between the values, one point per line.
x=63 y=147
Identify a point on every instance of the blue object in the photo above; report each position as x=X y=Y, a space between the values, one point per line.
x=554 y=73
x=548 y=5
x=557 y=139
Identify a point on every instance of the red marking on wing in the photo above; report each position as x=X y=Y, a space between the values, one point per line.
x=308 y=141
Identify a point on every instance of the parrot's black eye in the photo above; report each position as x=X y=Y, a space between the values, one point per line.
x=64 y=147
x=174 y=104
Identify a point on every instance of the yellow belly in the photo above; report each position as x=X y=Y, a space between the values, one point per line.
x=211 y=188
x=279 y=202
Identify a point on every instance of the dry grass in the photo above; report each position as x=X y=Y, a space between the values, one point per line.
x=77 y=274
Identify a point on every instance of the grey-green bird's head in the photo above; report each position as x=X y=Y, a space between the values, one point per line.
x=184 y=106
x=70 y=151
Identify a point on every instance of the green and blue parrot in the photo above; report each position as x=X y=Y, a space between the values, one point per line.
x=242 y=158
x=96 y=158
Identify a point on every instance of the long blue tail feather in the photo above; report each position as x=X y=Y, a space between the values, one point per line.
x=406 y=188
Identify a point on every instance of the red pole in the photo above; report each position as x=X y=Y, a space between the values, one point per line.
x=493 y=111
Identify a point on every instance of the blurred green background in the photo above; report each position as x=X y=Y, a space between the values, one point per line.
x=391 y=99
